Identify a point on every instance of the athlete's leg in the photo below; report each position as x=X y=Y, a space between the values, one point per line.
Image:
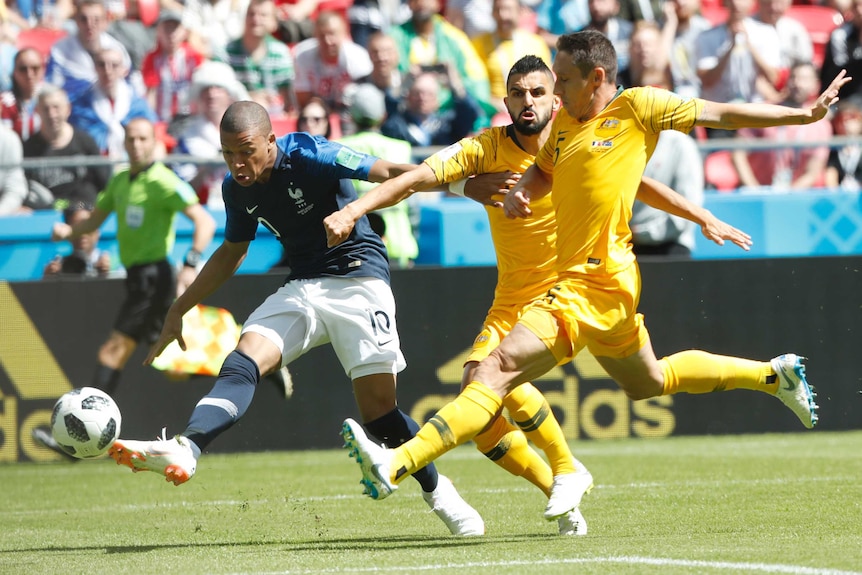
x=507 y=446
x=642 y=376
x=176 y=458
x=519 y=358
x=234 y=389
x=375 y=398
x=113 y=356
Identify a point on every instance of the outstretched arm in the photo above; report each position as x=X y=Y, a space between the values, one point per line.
x=340 y=224
x=735 y=116
x=655 y=194
x=204 y=229
x=63 y=231
x=383 y=170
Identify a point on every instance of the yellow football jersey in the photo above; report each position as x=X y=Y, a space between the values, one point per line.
x=525 y=248
x=597 y=167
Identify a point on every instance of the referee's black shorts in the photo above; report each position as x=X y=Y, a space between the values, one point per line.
x=150 y=291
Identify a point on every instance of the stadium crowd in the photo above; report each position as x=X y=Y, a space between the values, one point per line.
x=74 y=72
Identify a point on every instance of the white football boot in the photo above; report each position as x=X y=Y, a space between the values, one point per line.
x=172 y=457
x=374 y=460
x=459 y=517
x=793 y=388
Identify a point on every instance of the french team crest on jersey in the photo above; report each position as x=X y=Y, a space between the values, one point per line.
x=608 y=128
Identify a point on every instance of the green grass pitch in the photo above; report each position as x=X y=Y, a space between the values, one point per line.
x=784 y=504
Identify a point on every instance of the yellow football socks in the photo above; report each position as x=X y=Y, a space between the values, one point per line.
x=533 y=415
x=507 y=446
x=457 y=422
x=695 y=371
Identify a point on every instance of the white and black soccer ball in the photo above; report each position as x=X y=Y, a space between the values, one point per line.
x=85 y=422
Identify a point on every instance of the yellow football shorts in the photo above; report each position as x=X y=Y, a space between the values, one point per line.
x=598 y=312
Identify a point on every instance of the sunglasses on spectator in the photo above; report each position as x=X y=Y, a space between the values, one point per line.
x=312 y=119
x=26 y=68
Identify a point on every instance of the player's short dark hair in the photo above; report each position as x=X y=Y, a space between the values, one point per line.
x=244 y=116
x=528 y=65
x=590 y=49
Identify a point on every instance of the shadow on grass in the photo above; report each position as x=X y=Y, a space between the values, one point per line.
x=352 y=544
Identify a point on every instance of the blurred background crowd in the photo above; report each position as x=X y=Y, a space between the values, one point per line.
x=397 y=77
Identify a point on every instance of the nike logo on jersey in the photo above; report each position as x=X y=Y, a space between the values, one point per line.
x=251 y=210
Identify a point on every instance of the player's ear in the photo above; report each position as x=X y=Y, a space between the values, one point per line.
x=599 y=76
x=557 y=104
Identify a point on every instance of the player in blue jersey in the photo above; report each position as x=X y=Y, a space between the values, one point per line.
x=337 y=295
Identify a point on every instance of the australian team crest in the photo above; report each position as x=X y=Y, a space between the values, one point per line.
x=609 y=127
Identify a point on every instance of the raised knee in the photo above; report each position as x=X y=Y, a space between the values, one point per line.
x=642 y=389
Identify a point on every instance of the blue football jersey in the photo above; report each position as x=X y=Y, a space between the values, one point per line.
x=310 y=180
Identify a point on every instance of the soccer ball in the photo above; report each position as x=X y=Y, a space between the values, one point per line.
x=85 y=422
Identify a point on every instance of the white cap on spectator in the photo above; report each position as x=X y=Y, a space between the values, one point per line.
x=368 y=103
x=169 y=16
x=219 y=74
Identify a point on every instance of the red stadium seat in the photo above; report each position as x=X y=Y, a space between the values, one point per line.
x=39 y=38
x=148 y=11
x=716 y=14
x=720 y=172
x=283 y=125
x=820 y=21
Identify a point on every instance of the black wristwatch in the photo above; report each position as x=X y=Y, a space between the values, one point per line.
x=193 y=258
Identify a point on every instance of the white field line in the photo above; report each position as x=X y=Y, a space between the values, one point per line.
x=113 y=508
x=623 y=560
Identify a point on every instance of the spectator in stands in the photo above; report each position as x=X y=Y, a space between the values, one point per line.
x=106 y=106
x=422 y=121
x=295 y=20
x=676 y=162
x=368 y=111
x=682 y=25
x=649 y=64
x=637 y=10
x=167 y=70
x=86 y=259
x=603 y=18
x=732 y=56
x=844 y=51
x=474 y=17
x=262 y=63
x=385 y=73
x=370 y=17
x=844 y=168
x=214 y=88
x=502 y=47
x=213 y=24
x=13 y=184
x=786 y=168
x=428 y=40
x=57 y=138
x=18 y=106
x=557 y=17
x=314 y=118
x=794 y=40
x=328 y=63
x=70 y=63
x=139 y=39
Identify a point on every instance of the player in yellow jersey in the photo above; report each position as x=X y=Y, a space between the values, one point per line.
x=593 y=161
x=524 y=275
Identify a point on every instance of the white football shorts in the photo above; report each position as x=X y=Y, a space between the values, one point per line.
x=355 y=315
